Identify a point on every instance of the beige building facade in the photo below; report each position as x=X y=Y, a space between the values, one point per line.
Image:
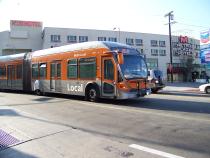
x=26 y=36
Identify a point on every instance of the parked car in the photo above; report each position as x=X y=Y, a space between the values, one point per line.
x=155 y=78
x=205 y=88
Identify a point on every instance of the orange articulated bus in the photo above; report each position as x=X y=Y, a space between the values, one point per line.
x=91 y=69
x=11 y=72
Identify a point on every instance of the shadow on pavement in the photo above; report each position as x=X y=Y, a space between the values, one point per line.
x=43 y=99
x=8 y=112
x=12 y=153
x=171 y=104
x=164 y=104
x=148 y=103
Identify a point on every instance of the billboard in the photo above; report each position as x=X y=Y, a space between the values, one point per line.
x=205 y=56
x=205 y=47
x=205 y=37
x=183 y=47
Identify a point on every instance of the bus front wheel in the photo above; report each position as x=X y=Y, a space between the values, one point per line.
x=92 y=94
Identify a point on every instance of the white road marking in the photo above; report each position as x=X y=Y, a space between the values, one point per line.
x=153 y=151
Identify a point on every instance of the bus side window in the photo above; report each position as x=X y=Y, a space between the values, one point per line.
x=2 y=71
x=58 y=70
x=42 y=70
x=108 y=70
x=72 y=68
x=35 y=71
x=52 y=70
x=87 y=68
x=19 y=71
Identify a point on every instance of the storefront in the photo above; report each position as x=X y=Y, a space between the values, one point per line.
x=185 y=60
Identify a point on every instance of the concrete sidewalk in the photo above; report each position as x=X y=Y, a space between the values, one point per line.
x=182 y=86
x=42 y=138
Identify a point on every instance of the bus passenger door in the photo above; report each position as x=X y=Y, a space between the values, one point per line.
x=55 y=76
x=10 y=75
x=108 y=77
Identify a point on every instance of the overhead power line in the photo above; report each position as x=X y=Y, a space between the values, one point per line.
x=193 y=25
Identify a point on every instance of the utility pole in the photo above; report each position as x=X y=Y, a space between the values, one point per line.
x=170 y=17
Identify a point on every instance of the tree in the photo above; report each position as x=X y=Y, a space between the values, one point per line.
x=188 y=66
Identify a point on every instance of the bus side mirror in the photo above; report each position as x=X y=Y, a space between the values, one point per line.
x=120 y=58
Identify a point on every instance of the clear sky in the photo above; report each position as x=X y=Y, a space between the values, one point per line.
x=147 y=16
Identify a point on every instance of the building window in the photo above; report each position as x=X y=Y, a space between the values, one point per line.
x=197 y=47
x=162 y=52
x=112 y=39
x=139 y=42
x=174 y=44
x=55 y=38
x=162 y=43
x=154 y=43
x=129 y=41
x=72 y=68
x=83 y=38
x=87 y=68
x=152 y=63
x=101 y=38
x=176 y=53
x=71 y=39
x=197 y=55
x=154 y=52
x=141 y=51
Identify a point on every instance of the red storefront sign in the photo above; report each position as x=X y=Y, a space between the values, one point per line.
x=183 y=39
x=26 y=23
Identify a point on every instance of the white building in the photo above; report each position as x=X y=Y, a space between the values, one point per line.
x=27 y=36
x=24 y=36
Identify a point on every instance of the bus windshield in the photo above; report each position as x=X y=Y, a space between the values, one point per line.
x=134 y=67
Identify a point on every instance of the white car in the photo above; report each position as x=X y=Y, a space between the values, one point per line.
x=205 y=88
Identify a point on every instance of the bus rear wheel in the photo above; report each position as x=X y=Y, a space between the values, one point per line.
x=92 y=94
x=38 y=92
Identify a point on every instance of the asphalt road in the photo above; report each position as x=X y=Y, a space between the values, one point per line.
x=158 y=125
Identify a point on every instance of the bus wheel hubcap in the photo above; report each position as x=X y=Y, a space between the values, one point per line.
x=92 y=93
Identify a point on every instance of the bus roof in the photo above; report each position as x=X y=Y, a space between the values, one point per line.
x=12 y=57
x=79 y=46
x=72 y=47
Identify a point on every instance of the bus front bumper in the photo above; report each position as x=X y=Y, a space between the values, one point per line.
x=133 y=94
